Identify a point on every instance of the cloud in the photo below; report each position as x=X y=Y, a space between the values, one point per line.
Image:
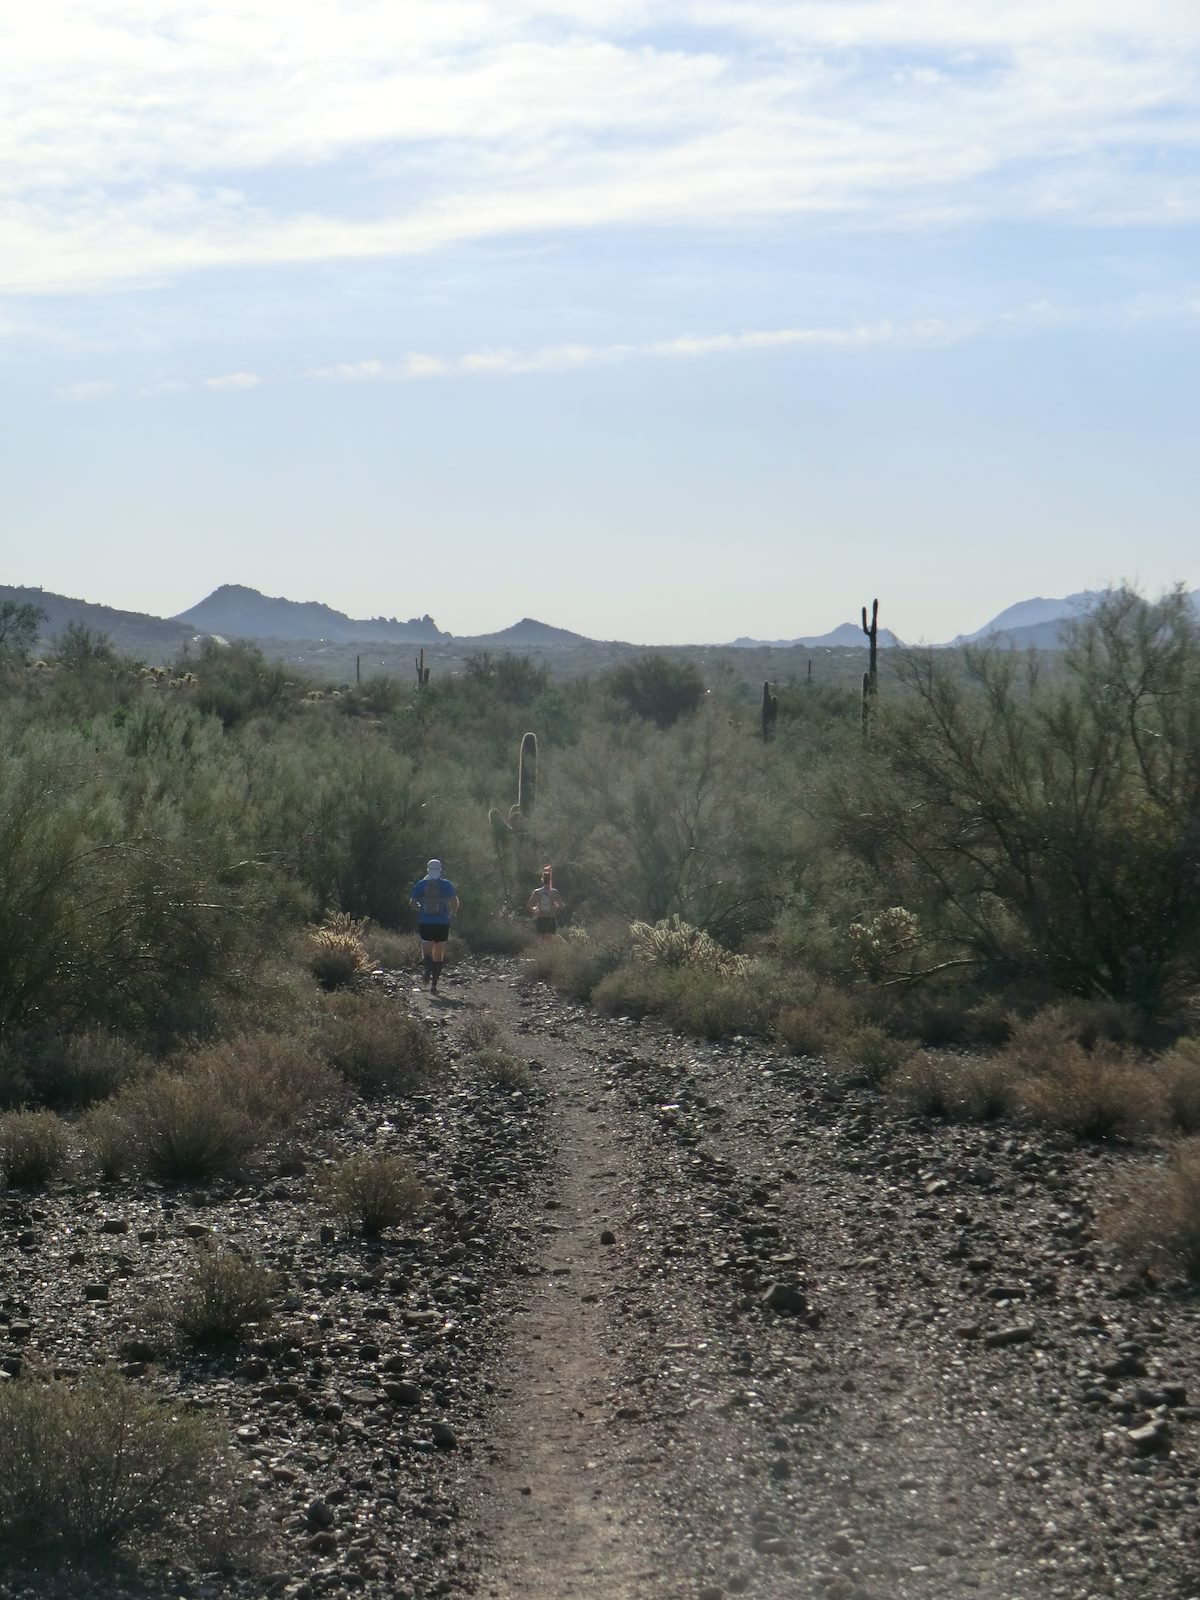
x=234 y=381
x=81 y=393
x=688 y=347
x=138 y=144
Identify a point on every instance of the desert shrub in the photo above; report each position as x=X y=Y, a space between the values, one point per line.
x=495 y=936
x=390 y=949
x=73 y=1069
x=674 y=943
x=1179 y=1074
x=657 y=688
x=181 y=1131
x=34 y=1147
x=1040 y=1045
x=498 y=1069
x=1157 y=1219
x=372 y=1192
x=692 y=1000
x=880 y=940
x=943 y=1084
x=481 y=1031
x=925 y=1085
x=576 y=961
x=1105 y=1095
x=109 y=1142
x=820 y=1024
x=268 y=1078
x=94 y=1465
x=337 y=954
x=376 y=1045
x=224 y=1293
x=872 y=1055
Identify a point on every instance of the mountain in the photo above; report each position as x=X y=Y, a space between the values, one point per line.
x=531 y=632
x=1040 y=614
x=240 y=613
x=845 y=634
x=1038 y=623
x=132 y=632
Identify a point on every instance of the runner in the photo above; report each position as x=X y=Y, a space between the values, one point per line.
x=545 y=903
x=436 y=901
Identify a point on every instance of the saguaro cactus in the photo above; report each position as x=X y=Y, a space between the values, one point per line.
x=872 y=634
x=526 y=779
x=866 y=707
x=423 y=670
x=770 y=710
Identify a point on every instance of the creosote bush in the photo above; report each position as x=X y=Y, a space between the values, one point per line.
x=481 y=1031
x=1157 y=1221
x=34 y=1147
x=181 y=1131
x=223 y=1295
x=94 y=1464
x=376 y=1045
x=337 y=955
x=109 y=1142
x=269 y=1078
x=947 y=1086
x=372 y=1191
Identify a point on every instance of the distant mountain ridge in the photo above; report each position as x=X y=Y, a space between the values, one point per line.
x=133 y=630
x=845 y=635
x=237 y=612
x=1039 y=623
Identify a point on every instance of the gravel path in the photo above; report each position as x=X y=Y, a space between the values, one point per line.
x=686 y=1321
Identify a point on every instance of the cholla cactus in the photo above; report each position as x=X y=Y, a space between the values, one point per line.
x=876 y=940
x=337 y=954
x=675 y=943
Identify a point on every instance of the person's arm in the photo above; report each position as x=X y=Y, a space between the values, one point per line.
x=532 y=903
x=455 y=906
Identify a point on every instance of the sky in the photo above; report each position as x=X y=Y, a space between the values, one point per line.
x=663 y=320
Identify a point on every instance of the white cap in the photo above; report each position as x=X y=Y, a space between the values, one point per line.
x=433 y=869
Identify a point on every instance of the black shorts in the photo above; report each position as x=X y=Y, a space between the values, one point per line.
x=546 y=924
x=433 y=932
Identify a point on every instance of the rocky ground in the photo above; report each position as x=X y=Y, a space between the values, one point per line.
x=684 y=1320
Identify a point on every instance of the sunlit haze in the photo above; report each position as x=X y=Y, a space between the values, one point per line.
x=666 y=321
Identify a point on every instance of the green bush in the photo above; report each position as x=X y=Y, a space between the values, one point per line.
x=94 y=1464
x=268 y=1079
x=223 y=1294
x=34 y=1147
x=376 y=1045
x=372 y=1192
x=871 y=1055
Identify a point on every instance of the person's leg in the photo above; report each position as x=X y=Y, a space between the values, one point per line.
x=437 y=952
x=426 y=960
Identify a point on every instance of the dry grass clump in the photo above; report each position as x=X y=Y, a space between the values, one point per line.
x=376 y=1045
x=944 y=1085
x=1157 y=1220
x=674 y=943
x=481 y=1031
x=1105 y=1095
x=337 y=955
x=498 y=1069
x=225 y=1293
x=109 y=1143
x=269 y=1078
x=1179 y=1074
x=372 y=1192
x=34 y=1147
x=94 y=1465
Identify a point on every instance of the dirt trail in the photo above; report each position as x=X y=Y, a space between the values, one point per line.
x=559 y=1512
x=828 y=1351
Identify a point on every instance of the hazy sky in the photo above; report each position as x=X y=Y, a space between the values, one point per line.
x=657 y=319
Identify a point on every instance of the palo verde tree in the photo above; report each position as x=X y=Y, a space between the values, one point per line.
x=1045 y=821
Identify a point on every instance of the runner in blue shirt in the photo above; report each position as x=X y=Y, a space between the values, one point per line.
x=436 y=902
